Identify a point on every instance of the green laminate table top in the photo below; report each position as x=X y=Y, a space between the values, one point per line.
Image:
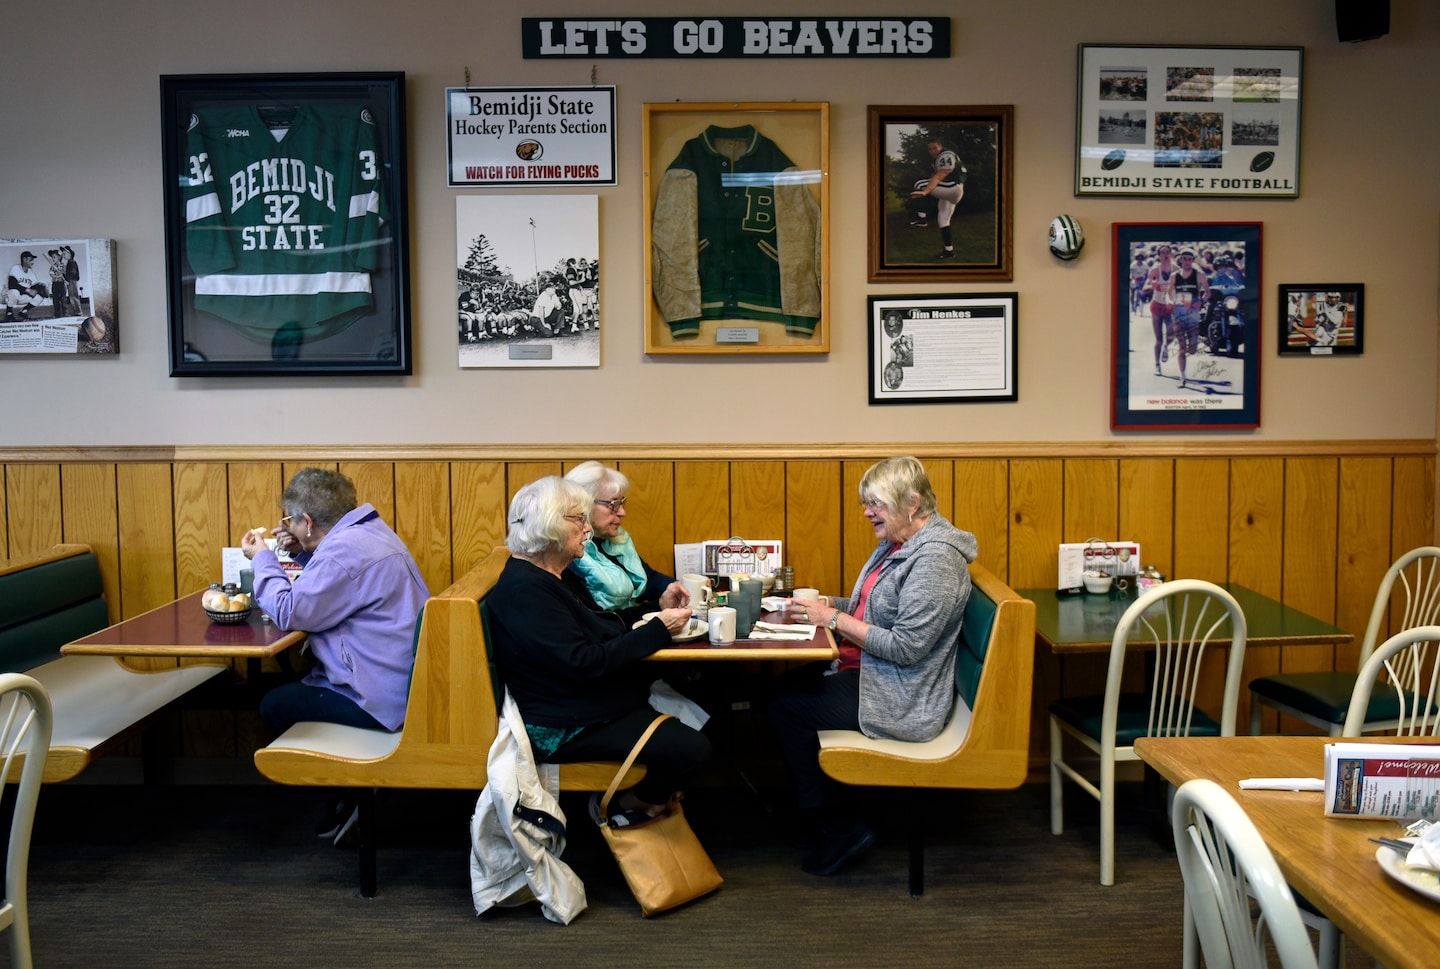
x=1085 y=623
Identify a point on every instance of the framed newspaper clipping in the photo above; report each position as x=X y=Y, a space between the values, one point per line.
x=1198 y=122
x=286 y=226
x=736 y=222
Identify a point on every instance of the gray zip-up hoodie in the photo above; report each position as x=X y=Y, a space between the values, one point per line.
x=907 y=672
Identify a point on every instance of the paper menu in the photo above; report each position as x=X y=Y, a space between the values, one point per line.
x=731 y=556
x=1116 y=558
x=1400 y=781
x=232 y=560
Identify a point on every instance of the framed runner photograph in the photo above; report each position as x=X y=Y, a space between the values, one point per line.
x=1322 y=319
x=943 y=349
x=1197 y=122
x=1186 y=339
x=286 y=224
x=938 y=186
x=736 y=227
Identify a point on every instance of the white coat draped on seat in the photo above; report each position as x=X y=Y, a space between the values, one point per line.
x=515 y=854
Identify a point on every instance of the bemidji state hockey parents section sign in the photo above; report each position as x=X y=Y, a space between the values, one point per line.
x=530 y=136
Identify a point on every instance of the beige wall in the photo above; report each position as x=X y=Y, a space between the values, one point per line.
x=80 y=156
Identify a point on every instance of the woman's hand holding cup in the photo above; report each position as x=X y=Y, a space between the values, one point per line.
x=675 y=620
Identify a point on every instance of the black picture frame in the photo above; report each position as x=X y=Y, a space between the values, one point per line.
x=297 y=266
x=1219 y=387
x=901 y=249
x=1321 y=319
x=943 y=348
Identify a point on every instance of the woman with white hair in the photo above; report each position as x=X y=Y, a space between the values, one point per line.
x=611 y=567
x=899 y=633
x=577 y=673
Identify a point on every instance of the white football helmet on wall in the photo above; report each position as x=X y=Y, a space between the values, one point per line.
x=1066 y=239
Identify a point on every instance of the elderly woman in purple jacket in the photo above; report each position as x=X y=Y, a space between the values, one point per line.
x=357 y=598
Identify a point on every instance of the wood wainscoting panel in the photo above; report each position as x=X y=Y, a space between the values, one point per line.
x=87 y=493
x=422 y=517
x=1256 y=549
x=477 y=512
x=702 y=500
x=1146 y=508
x=650 y=511
x=33 y=501
x=1362 y=547
x=202 y=523
x=982 y=507
x=811 y=529
x=1314 y=523
x=1201 y=512
x=374 y=483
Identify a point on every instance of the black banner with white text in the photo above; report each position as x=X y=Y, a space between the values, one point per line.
x=736 y=37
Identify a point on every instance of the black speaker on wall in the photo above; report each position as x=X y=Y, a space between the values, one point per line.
x=1357 y=20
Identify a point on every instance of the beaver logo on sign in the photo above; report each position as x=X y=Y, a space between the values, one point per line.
x=530 y=150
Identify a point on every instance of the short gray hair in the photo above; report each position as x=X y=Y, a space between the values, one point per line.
x=598 y=479
x=895 y=480
x=536 y=521
x=326 y=496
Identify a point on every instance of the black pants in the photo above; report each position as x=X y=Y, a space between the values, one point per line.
x=808 y=701
x=671 y=756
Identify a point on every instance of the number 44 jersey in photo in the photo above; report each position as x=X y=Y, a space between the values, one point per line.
x=283 y=215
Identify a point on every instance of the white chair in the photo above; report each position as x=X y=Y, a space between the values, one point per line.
x=1406 y=668
x=25 y=722
x=1410 y=591
x=1177 y=620
x=1225 y=863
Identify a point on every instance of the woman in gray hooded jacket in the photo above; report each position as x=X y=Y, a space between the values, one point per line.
x=899 y=633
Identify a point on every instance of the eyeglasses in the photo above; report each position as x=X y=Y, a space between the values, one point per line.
x=614 y=504
x=871 y=503
x=580 y=520
x=286 y=520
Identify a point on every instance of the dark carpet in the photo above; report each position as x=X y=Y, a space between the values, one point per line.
x=218 y=876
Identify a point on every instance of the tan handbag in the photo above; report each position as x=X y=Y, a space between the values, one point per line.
x=663 y=862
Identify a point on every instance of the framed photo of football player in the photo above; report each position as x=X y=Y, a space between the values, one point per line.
x=1322 y=319
x=286 y=225
x=1192 y=122
x=939 y=193
x=950 y=349
x=736 y=227
x=1186 y=338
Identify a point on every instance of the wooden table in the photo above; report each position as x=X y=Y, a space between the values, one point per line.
x=1328 y=860
x=821 y=646
x=181 y=628
x=1086 y=623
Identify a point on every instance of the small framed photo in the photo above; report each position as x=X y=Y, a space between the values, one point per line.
x=286 y=224
x=1192 y=122
x=943 y=349
x=1186 y=347
x=736 y=222
x=1322 y=319
x=939 y=193
x=59 y=297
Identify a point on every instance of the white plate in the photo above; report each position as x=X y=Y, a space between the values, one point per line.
x=1422 y=880
x=699 y=629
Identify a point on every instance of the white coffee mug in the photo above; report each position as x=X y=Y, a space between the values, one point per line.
x=722 y=625
x=698 y=586
x=806 y=594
